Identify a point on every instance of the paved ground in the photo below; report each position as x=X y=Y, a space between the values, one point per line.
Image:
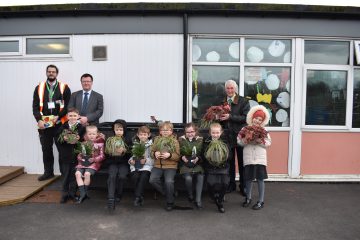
x=292 y=211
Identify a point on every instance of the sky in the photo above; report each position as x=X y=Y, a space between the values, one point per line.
x=355 y=3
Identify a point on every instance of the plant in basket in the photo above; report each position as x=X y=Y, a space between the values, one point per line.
x=115 y=146
x=216 y=153
x=138 y=153
x=70 y=136
x=213 y=114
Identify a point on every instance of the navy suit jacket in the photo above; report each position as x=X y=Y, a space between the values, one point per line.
x=95 y=105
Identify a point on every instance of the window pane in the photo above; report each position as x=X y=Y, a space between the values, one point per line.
x=271 y=51
x=270 y=87
x=47 y=46
x=326 y=97
x=208 y=87
x=327 y=52
x=215 y=50
x=356 y=100
x=9 y=46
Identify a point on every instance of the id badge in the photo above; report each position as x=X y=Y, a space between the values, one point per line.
x=51 y=105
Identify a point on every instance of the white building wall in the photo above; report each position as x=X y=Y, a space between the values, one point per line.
x=141 y=77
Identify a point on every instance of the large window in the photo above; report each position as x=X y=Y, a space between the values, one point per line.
x=10 y=46
x=327 y=52
x=326 y=97
x=47 y=46
x=262 y=70
x=356 y=99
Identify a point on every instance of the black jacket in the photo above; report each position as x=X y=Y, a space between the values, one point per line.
x=66 y=151
x=239 y=109
x=56 y=98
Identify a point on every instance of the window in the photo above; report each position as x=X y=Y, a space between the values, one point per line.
x=326 y=52
x=10 y=46
x=262 y=70
x=46 y=46
x=326 y=97
x=356 y=100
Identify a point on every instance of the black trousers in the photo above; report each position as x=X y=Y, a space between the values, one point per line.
x=217 y=184
x=117 y=177
x=68 y=178
x=47 y=138
x=232 y=173
x=140 y=179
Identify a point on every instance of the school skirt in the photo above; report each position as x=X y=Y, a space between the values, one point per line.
x=255 y=171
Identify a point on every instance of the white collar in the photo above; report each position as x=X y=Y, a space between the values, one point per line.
x=87 y=92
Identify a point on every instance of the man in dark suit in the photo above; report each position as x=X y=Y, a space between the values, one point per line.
x=232 y=123
x=87 y=101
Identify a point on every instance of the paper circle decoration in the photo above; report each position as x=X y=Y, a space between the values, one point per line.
x=286 y=123
x=253 y=103
x=276 y=48
x=234 y=50
x=281 y=115
x=212 y=56
x=287 y=86
x=287 y=57
x=272 y=82
x=283 y=99
x=196 y=53
x=254 y=54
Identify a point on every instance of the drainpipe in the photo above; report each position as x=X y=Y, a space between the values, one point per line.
x=185 y=66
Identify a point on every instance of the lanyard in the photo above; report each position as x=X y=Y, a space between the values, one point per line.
x=51 y=92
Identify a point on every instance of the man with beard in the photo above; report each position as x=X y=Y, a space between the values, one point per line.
x=89 y=102
x=50 y=101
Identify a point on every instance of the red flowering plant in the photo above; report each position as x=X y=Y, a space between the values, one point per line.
x=213 y=114
x=253 y=134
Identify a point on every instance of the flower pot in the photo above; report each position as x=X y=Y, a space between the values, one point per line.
x=138 y=164
x=86 y=163
x=190 y=164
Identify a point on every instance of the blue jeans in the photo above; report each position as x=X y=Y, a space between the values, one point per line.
x=166 y=189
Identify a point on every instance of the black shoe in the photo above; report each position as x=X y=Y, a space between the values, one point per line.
x=45 y=176
x=83 y=194
x=221 y=208
x=64 y=198
x=258 y=206
x=169 y=207
x=198 y=205
x=137 y=202
x=141 y=201
x=111 y=204
x=246 y=203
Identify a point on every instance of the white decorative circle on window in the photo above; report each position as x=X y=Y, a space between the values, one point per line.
x=196 y=53
x=254 y=54
x=272 y=82
x=287 y=57
x=276 y=48
x=212 y=57
x=281 y=115
x=283 y=99
x=234 y=50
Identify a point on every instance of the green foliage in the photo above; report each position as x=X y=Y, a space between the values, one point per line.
x=115 y=146
x=165 y=144
x=138 y=150
x=70 y=134
x=216 y=153
x=186 y=147
x=85 y=148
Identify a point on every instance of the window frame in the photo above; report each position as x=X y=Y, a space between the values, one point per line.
x=10 y=54
x=242 y=64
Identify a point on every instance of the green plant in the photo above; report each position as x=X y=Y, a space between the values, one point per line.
x=85 y=148
x=69 y=135
x=187 y=148
x=165 y=144
x=138 y=150
x=216 y=153
x=115 y=146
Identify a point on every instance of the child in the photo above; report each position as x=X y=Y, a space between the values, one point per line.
x=89 y=160
x=140 y=174
x=190 y=163
x=255 y=140
x=216 y=155
x=165 y=152
x=68 y=135
x=117 y=149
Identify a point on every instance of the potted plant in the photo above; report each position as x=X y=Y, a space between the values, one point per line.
x=165 y=144
x=138 y=153
x=86 y=149
x=115 y=146
x=253 y=134
x=216 y=153
x=69 y=136
x=189 y=151
x=213 y=114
